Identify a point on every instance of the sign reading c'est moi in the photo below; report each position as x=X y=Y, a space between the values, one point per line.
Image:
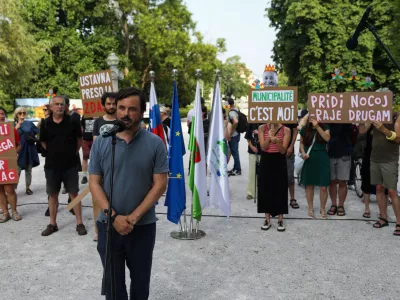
x=92 y=87
x=273 y=105
x=355 y=107
x=8 y=154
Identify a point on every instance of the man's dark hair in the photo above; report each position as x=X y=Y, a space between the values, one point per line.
x=5 y=112
x=107 y=95
x=202 y=101
x=231 y=101
x=132 y=91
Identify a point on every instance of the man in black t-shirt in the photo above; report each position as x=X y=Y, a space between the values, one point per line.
x=254 y=151
x=108 y=120
x=62 y=138
x=87 y=134
x=290 y=158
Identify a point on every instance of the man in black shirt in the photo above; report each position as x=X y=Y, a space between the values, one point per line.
x=108 y=120
x=290 y=157
x=62 y=139
x=254 y=151
x=87 y=134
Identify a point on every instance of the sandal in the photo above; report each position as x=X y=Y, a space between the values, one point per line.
x=16 y=216
x=367 y=215
x=323 y=215
x=293 y=204
x=340 y=211
x=311 y=214
x=29 y=191
x=379 y=223
x=249 y=197
x=4 y=218
x=333 y=210
x=397 y=230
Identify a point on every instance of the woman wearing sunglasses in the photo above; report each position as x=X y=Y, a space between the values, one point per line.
x=28 y=157
x=7 y=191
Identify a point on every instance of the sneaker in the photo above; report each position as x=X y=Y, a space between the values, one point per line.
x=280 y=226
x=351 y=187
x=81 y=229
x=249 y=197
x=231 y=173
x=47 y=213
x=29 y=191
x=50 y=230
x=238 y=172
x=84 y=180
x=266 y=225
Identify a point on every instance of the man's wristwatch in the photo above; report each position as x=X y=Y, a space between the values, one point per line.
x=113 y=217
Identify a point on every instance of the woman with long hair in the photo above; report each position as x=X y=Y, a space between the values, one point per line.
x=7 y=191
x=316 y=168
x=273 y=197
x=28 y=157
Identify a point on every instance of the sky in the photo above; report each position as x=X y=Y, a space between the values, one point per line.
x=242 y=24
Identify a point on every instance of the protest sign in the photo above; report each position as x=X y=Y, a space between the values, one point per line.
x=273 y=105
x=92 y=87
x=8 y=154
x=355 y=107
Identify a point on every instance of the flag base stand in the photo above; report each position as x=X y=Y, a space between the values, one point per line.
x=187 y=235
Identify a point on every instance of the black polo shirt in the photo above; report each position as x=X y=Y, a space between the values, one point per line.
x=61 y=142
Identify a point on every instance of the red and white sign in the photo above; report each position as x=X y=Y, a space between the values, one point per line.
x=8 y=154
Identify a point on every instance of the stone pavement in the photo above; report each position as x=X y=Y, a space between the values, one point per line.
x=339 y=258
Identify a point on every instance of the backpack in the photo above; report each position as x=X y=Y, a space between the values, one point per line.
x=242 y=122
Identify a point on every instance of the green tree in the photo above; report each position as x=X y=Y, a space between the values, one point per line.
x=311 y=43
x=19 y=51
x=234 y=77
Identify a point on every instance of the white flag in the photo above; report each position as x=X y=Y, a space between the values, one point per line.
x=217 y=158
x=198 y=177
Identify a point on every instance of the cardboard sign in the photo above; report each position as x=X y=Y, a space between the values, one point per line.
x=273 y=105
x=92 y=87
x=8 y=154
x=355 y=107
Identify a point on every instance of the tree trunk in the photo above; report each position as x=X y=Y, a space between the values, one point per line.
x=145 y=72
x=127 y=44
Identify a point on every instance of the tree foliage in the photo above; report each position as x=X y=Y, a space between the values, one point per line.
x=64 y=38
x=311 y=43
x=234 y=77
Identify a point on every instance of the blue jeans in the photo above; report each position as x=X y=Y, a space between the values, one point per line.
x=234 y=146
x=134 y=249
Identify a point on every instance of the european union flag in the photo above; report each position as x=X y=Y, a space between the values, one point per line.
x=176 y=193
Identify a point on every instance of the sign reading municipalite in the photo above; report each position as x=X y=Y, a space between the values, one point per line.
x=355 y=107
x=92 y=87
x=8 y=154
x=273 y=105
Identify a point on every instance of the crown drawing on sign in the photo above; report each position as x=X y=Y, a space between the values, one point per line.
x=270 y=68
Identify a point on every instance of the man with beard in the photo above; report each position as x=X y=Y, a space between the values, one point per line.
x=61 y=137
x=140 y=179
x=108 y=120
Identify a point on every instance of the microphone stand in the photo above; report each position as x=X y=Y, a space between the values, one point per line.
x=109 y=258
x=378 y=39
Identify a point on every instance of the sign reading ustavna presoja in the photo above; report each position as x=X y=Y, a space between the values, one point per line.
x=273 y=105
x=92 y=87
x=8 y=154
x=354 y=107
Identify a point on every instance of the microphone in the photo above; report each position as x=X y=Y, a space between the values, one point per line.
x=118 y=127
x=353 y=41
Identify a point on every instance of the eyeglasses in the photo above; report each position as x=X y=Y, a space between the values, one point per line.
x=22 y=113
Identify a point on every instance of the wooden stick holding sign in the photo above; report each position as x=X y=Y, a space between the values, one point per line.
x=78 y=198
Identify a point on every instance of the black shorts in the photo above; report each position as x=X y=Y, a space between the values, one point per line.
x=54 y=178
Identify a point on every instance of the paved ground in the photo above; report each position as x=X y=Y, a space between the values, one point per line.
x=314 y=259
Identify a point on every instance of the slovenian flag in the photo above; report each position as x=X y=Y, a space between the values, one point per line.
x=156 y=126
